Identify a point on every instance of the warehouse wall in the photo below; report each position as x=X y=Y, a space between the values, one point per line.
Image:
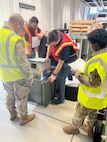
x=5 y=11
x=9 y=6
x=51 y=13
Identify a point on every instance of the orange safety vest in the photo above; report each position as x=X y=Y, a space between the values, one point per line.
x=66 y=41
x=29 y=44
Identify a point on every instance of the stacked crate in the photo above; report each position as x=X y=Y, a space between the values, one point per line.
x=83 y=26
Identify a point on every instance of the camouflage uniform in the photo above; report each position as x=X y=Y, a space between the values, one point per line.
x=82 y=112
x=19 y=89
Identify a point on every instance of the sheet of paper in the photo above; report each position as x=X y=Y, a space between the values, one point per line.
x=78 y=64
x=31 y=105
x=35 y=42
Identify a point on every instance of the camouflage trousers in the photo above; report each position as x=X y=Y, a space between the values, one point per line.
x=17 y=93
x=84 y=115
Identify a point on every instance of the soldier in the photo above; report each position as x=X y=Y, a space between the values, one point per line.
x=15 y=70
x=92 y=94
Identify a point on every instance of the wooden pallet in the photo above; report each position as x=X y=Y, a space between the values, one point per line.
x=81 y=25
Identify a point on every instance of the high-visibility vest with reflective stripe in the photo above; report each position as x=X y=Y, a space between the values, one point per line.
x=66 y=41
x=9 y=71
x=90 y=97
x=29 y=45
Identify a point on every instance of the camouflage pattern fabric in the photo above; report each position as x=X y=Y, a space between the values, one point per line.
x=22 y=61
x=18 y=91
x=84 y=115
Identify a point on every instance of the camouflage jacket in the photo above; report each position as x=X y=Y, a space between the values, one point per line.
x=22 y=60
x=94 y=79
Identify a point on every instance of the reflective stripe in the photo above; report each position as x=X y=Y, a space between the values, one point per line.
x=62 y=46
x=9 y=65
x=104 y=86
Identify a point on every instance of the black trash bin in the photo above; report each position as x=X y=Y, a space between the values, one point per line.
x=71 y=93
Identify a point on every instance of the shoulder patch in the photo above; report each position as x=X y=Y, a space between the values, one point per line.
x=20 y=50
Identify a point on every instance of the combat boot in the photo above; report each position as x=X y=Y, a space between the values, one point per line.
x=26 y=118
x=13 y=114
x=86 y=130
x=70 y=130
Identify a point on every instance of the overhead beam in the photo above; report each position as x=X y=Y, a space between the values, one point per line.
x=86 y=3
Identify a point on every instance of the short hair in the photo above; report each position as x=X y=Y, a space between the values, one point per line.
x=99 y=37
x=15 y=17
x=53 y=36
x=34 y=20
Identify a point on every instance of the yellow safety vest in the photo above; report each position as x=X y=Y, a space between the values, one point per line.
x=9 y=70
x=90 y=97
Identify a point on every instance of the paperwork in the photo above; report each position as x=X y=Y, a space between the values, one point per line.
x=35 y=42
x=72 y=83
x=78 y=64
x=31 y=105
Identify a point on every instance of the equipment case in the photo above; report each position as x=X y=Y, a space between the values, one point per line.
x=40 y=92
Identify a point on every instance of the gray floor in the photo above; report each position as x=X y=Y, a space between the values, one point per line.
x=47 y=127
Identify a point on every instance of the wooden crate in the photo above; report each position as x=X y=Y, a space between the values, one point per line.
x=97 y=26
x=82 y=26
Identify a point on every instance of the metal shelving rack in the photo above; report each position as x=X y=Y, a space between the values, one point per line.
x=84 y=50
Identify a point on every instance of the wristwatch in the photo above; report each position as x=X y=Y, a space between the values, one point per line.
x=54 y=74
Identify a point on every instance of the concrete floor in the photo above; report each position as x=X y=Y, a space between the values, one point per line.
x=46 y=127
